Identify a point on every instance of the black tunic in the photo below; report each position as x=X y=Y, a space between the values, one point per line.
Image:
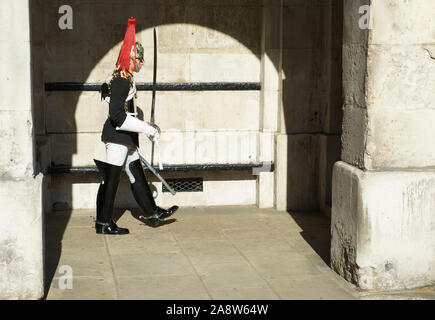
x=119 y=92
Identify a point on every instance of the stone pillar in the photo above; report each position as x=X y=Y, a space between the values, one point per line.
x=383 y=210
x=270 y=98
x=21 y=267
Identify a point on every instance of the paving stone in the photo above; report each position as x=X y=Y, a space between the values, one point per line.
x=255 y=293
x=138 y=242
x=185 y=287
x=210 y=251
x=273 y=264
x=151 y=264
x=208 y=231
x=84 y=288
x=232 y=275
x=92 y=262
x=311 y=288
x=260 y=243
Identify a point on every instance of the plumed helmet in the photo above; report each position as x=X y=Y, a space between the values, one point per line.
x=128 y=46
x=139 y=51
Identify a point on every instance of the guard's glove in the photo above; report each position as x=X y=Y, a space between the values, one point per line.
x=154 y=135
x=132 y=124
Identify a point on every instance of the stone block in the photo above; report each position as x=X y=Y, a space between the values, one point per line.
x=75 y=191
x=74 y=111
x=219 y=188
x=303 y=90
x=303 y=172
x=16 y=158
x=43 y=153
x=39 y=114
x=203 y=110
x=400 y=138
x=271 y=101
x=224 y=110
x=297 y=172
x=401 y=77
x=352 y=33
x=330 y=151
x=281 y=169
x=271 y=78
x=224 y=67
x=382 y=227
x=354 y=74
x=302 y=15
x=65 y=72
x=272 y=24
x=146 y=35
x=334 y=114
x=402 y=23
x=354 y=136
x=206 y=147
x=77 y=150
x=265 y=190
x=37 y=22
x=266 y=147
x=99 y=72
x=21 y=265
x=172 y=67
x=234 y=28
x=16 y=81
x=16 y=30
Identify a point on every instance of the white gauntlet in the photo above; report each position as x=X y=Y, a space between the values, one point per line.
x=133 y=124
x=156 y=135
x=152 y=131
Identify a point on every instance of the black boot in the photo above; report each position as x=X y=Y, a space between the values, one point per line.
x=144 y=197
x=104 y=223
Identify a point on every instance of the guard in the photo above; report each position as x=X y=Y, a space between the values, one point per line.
x=120 y=135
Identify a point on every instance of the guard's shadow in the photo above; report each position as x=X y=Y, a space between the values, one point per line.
x=316 y=231
x=138 y=215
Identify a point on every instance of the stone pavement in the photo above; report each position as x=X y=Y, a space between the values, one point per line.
x=204 y=253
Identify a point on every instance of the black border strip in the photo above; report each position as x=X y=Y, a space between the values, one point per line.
x=185 y=167
x=187 y=86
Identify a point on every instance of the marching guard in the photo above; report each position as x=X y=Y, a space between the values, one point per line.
x=120 y=135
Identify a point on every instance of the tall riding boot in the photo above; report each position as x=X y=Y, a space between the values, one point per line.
x=104 y=223
x=144 y=197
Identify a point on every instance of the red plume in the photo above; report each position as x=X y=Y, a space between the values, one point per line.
x=123 y=62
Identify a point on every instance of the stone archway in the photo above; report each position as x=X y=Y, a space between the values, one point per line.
x=271 y=48
x=188 y=37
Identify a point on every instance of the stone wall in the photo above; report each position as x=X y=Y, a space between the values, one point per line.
x=383 y=214
x=198 y=41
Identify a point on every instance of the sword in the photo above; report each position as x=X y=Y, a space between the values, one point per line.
x=157 y=174
x=154 y=90
x=150 y=167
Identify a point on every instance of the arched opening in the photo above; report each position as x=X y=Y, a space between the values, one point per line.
x=292 y=48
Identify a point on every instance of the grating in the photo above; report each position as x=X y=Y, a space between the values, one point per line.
x=184 y=185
